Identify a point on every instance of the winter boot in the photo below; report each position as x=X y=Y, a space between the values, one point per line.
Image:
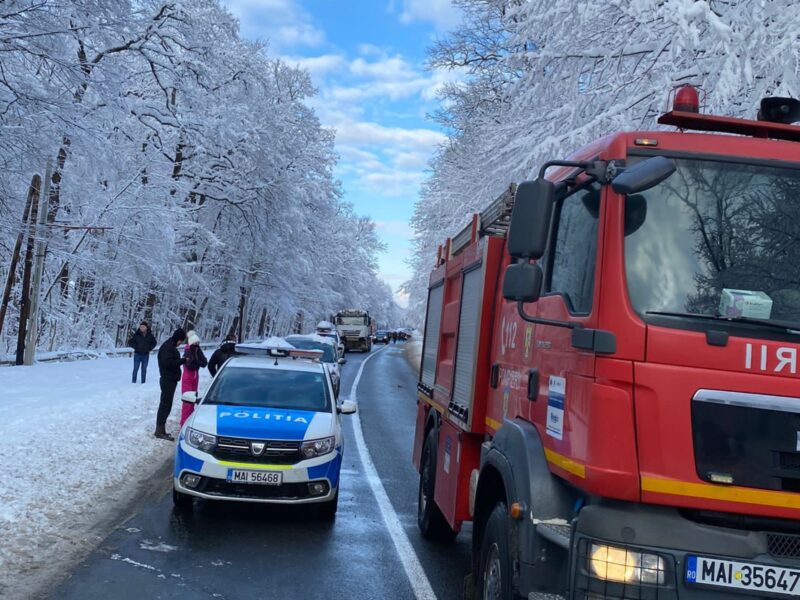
x=162 y=434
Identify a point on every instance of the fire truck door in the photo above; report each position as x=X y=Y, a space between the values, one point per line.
x=564 y=372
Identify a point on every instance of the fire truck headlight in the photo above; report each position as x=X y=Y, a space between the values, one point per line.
x=313 y=448
x=626 y=566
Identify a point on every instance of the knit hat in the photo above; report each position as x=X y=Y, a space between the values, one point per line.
x=179 y=334
x=193 y=338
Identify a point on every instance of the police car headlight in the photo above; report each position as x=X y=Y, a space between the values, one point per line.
x=313 y=448
x=201 y=441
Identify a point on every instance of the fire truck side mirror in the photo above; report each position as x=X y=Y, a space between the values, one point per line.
x=523 y=282
x=530 y=219
x=644 y=175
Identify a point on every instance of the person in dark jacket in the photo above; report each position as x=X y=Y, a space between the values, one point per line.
x=222 y=354
x=142 y=342
x=169 y=368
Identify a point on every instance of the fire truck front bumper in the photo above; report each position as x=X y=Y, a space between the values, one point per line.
x=648 y=552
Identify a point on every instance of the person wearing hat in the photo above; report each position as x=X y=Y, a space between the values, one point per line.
x=142 y=342
x=169 y=367
x=222 y=354
x=194 y=360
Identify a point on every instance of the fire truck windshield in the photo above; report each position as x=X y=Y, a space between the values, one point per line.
x=720 y=239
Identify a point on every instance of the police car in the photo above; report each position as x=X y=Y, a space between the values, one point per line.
x=330 y=354
x=267 y=430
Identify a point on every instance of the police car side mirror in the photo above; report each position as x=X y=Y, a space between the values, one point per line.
x=348 y=407
x=192 y=397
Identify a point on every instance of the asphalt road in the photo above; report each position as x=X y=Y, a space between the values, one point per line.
x=236 y=550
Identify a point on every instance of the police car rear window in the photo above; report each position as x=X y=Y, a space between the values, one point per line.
x=327 y=349
x=269 y=388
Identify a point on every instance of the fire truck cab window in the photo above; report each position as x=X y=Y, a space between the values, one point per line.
x=574 y=249
x=715 y=229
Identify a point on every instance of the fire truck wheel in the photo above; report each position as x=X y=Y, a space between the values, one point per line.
x=494 y=576
x=430 y=519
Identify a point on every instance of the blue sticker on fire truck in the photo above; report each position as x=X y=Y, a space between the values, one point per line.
x=556 y=389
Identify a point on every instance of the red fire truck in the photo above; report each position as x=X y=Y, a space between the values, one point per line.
x=609 y=387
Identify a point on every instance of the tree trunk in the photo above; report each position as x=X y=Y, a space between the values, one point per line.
x=25 y=304
x=33 y=193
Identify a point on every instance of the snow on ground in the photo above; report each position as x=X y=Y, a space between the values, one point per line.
x=75 y=444
x=414 y=350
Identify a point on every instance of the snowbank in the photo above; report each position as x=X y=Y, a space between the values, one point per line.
x=75 y=443
x=414 y=350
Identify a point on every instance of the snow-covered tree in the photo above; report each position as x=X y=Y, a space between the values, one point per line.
x=198 y=152
x=544 y=77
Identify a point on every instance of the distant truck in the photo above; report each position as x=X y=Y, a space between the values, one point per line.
x=356 y=328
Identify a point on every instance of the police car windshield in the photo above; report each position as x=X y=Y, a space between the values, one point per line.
x=327 y=349
x=270 y=388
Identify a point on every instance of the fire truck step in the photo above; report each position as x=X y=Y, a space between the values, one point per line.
x=555 y=532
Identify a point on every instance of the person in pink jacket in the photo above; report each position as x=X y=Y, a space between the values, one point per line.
x=195 y=360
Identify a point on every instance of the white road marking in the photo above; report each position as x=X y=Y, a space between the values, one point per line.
x=413 y=568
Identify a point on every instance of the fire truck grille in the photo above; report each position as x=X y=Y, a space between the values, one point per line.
x=277 y=452
x=783 y=546
x=790 y=461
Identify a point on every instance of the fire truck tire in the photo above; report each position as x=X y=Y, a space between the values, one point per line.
x=182 y=502
x=495 y=572
x=430 y=519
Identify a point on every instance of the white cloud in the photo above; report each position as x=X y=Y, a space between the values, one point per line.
x=318 y=66
x=441 y=13
x=369 y=134
x=396 y=228
x=284 y=22
x=386 y=68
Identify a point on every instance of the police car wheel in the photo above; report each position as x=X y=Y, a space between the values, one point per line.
x=430 y=519
x=327 y=510
x=183 y=502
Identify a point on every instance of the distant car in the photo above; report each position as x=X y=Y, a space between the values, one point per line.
x=268 y=430
x=382 y=337
x=330 y=354
x=327 y=329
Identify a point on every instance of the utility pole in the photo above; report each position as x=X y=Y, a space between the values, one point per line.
x=38 y=267
x=33 y=193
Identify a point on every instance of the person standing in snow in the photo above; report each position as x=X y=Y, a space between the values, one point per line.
x=169 y=368
x=142 y=342
x=222 y=354
x=194 y=360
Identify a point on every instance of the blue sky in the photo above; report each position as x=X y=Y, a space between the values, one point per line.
x=366 y=57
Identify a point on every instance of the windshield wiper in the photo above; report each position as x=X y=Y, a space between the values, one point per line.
x=787 y=326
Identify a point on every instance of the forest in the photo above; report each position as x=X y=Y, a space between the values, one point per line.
x=182 y=176
x=541 y=78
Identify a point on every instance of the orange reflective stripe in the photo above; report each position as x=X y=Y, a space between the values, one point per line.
x=727 y=493
x=565 y=463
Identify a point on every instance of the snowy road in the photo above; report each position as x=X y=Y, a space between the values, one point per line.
x=235 y=551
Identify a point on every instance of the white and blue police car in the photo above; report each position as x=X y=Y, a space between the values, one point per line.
x=267 y=430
